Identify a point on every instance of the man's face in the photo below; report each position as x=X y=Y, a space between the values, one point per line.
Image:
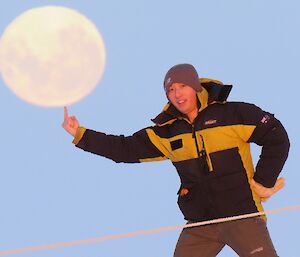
x=183 y=97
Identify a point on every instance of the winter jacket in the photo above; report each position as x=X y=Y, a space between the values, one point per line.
x=211 y=155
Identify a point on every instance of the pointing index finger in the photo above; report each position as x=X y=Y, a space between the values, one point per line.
x=66 y=114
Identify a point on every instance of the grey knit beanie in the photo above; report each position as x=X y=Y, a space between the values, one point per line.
x=182 y=73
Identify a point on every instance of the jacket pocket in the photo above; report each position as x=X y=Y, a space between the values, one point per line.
x=230 y=189
x=194 y=205
x=226 y=161
x=230 y=182
x=232 y=194
x=176 y=144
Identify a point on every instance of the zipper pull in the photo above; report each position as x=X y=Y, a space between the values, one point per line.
x=193 y=131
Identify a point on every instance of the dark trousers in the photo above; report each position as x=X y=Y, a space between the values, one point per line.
x=247 y=237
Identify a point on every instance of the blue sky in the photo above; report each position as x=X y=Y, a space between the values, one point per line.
x=52 y=192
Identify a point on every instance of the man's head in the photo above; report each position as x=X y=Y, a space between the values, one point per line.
x=181 y=85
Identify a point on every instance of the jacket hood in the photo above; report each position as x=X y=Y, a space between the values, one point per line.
x=212 y=91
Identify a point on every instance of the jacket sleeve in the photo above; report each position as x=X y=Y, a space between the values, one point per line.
x=271 y=135
x=129 y=149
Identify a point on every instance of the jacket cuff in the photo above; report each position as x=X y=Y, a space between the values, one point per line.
x=270 y=183
x=79 y=134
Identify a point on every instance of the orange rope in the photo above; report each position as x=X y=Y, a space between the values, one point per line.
x=196 y=224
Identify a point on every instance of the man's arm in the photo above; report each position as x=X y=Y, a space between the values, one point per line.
x=129 y=149
x=264 y=129
x=272 y=136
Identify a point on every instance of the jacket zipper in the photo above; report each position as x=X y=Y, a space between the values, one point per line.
x=201 y=153
x=194 y=136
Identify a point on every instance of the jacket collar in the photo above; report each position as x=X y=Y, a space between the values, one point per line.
x=213 y=91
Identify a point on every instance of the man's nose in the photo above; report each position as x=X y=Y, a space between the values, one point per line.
x=177 y=93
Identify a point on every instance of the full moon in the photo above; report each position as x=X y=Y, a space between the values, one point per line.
x=51 y=56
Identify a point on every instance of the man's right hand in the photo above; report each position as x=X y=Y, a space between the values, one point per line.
x=70 y=124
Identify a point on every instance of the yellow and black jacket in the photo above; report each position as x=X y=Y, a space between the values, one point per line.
x=211 y=155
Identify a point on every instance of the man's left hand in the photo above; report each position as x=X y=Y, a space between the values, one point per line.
x=264 y=192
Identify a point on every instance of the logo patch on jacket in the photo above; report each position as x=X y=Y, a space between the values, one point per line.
x=265 y=119
x=210 y=122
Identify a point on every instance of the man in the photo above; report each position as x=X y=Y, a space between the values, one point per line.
x=207 y=139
